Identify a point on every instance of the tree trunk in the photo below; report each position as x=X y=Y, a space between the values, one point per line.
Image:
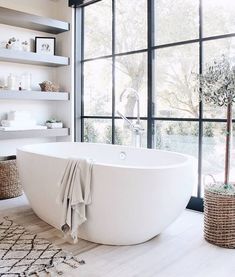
x=228 y=142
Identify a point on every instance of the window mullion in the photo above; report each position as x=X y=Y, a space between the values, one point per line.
x=200 y=104
x=113 y=69
x=150 y=15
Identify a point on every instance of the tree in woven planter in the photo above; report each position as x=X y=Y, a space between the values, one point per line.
x=217 y=87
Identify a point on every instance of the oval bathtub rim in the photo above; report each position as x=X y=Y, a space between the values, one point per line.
x=188 y=159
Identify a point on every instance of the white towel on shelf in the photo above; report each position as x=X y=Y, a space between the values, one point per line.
x=36 y=127
x=19 y=123
x=75 y=194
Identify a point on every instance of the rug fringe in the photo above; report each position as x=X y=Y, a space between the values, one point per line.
x=55 y=270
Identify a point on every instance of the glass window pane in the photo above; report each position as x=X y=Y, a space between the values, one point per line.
x=218 y=17
x=176 y=20
x=124 y=134
x=98 y=87
x=131 y=25
x=98 y=29
x=213 y=157
x=175 y=94
x=98 y=130
x=213 y=50
x=131 y=72
x=178 y=136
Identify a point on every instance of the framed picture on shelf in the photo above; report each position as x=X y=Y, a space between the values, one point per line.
x=45 y=45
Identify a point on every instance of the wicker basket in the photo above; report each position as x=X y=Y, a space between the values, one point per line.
x=219 y=218
x=9 y=179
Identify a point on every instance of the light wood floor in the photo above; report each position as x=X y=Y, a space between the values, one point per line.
x=179 y=251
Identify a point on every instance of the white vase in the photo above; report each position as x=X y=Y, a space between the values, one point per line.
x=12 y=82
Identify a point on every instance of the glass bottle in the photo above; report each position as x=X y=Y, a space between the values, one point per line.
x=12 y=82
x=26 y=81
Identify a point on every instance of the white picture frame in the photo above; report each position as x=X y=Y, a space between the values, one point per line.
x=45 y=45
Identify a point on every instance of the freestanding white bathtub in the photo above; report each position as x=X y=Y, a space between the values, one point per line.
x=136 y=193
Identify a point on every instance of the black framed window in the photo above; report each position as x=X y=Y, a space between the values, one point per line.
x=154 y=46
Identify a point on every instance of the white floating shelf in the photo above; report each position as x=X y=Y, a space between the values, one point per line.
x=13 y=56
x=33 y=22
x=33 y=95
x=21 y=134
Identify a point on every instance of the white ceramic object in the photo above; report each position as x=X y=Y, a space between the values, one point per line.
x=54 y=125
x=136 y=193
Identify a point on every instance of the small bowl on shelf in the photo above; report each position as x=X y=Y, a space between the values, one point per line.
x=54 y=124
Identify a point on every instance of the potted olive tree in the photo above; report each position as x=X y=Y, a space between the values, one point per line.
x=217 y=87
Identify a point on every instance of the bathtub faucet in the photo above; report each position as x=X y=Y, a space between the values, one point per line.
x=136 y=127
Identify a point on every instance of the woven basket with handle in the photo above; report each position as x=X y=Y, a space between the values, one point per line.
x=219 y=218
x=9 y=178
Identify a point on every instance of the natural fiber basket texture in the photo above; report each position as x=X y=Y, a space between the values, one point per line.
x=9 y=180
x=219 y=218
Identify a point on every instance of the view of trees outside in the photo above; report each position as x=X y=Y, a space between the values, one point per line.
x=98 y=29
x=174 y=95
x=176 y=20
x=98 y=87
x=98 y=130
x=218 y=17
x=131 y=25
x=131 y=72
x=177 y=136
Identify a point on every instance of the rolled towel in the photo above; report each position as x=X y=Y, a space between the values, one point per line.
x=19 y=115
x=18 y=123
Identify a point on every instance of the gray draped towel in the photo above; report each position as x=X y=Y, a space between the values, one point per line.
x=75 y=195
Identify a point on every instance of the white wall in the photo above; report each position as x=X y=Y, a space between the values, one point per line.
x=39 y=7
x=65 y=73
x=41 y=110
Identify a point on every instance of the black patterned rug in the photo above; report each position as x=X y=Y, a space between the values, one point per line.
x=25 y=254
